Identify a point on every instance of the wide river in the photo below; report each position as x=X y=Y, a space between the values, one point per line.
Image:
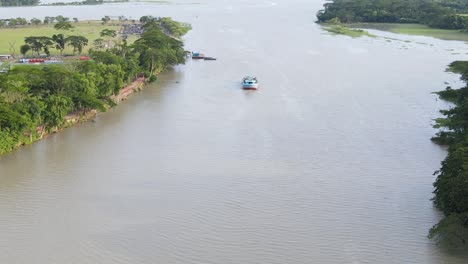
x=329 y=162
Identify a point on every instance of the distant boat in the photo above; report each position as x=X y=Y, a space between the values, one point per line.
x=249 y=83
x=209 y=58
x=197 y=55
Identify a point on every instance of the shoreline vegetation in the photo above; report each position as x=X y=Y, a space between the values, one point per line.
x=446 y=19
x=335 y=27
x=415 y=30
x=86 y=115
x=451 y=185
x=37 y=99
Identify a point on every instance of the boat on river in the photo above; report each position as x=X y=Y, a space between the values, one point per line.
x=197 y=55
x=209 y=58
x=250 y=83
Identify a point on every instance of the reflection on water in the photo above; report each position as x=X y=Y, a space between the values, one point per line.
x=329 y=162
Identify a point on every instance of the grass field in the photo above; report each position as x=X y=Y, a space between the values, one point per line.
x=417 y=29
x=15 y=36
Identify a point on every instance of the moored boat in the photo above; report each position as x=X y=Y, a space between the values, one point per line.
x=209 y=58
x=250 y=83
x=197 y=55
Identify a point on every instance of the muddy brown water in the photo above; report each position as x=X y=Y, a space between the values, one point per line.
x=328 y=162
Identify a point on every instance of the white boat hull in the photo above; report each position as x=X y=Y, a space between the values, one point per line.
x=248 y=86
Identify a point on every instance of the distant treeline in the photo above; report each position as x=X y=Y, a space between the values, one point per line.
x=459 y=6
x=445 y=14
x=19 y=21
x=18 y=2
x=36 y=2
x=451 y=185
x=85 y=2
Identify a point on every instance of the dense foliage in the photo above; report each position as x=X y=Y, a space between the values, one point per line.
x=168 y=25
x=33 y=96
x=85 y=2
x=434 y=13
x=18 y=2
x=451 y=185
x=459 y=6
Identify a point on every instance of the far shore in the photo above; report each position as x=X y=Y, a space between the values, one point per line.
x=415 y=30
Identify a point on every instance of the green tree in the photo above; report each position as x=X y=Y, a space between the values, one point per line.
x=47 y=43
x=77 y=42
x=60 y=42
x=35 y=44
x=451 y=185
x=61 y=19
x=105 y=20
x=13 y=22
x=146 y=19
x=98 y=44
x=24 y=49
x=35 y=21
x=56 y=108
x=157 y=50
x=63 y=25
x=11 y=120
x=48 y=20
x=21 y=21
x=108 y=34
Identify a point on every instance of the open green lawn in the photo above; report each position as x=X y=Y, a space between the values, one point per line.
x=88 y=29
x=417 y=29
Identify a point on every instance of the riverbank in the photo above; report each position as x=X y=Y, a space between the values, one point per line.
x=81 y=116
x=415 y=29
x=358 y=30
x=43 y=95
x=450 y=186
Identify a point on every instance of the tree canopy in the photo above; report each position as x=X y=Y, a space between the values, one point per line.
x=451 y=185
x=18 y=2
x=434 y=13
